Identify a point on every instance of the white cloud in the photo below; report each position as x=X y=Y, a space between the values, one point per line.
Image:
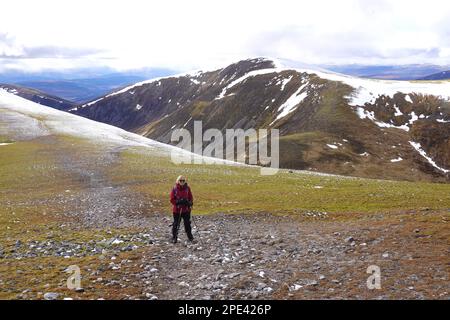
x=198 y=33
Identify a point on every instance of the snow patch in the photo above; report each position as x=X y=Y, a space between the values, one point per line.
x=363 y=114
x=332 y=146
x=367 y=90
x=397 y=160
x=92 y=102
x=285 y=82
x=419 y=149
x=414 y=118
x=291 y=103
x=397 y=111
x=243 y=78
x=184 y=125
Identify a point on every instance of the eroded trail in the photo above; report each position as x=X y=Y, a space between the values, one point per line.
x=261 y=256
x=100 y=203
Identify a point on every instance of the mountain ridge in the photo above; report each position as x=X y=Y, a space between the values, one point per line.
x=329 y=109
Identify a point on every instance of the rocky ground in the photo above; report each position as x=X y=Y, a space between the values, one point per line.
x=121 y=245
x=250 y=257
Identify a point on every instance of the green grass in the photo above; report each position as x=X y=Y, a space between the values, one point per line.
x=239 y=189
x=29 y=173
x=29 y=177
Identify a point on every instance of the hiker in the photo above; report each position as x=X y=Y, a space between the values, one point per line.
x=182 y=201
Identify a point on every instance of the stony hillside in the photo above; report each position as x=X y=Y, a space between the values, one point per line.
x=38 y=97
x=328 y=122
x=74 y=192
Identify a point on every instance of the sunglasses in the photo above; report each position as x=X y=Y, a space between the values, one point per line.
x=182 y=180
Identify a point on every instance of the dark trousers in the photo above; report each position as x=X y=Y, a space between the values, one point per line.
x=186 y=216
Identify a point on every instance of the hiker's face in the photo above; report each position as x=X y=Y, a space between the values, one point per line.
x=182 y=181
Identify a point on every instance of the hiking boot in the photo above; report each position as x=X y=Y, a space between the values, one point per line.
x=174 y=240
x=191 y=239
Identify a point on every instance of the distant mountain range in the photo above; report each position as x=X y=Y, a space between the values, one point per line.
x=328 y=122
x=444 y=75
x=80 y=86
x=82 y=90
x=38 y=97
x=401 y=72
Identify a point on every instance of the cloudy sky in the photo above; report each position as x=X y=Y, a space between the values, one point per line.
x=186 y=35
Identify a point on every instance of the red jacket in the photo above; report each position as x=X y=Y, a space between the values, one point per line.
x=181 y=192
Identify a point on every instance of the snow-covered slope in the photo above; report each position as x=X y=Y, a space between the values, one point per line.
x=29 y=120
x=367 y=90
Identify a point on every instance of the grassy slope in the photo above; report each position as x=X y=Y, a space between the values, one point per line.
x=238 y=189
x=29 y=173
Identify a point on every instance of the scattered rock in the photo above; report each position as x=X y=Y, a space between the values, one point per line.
x=151 y=296
x=51 y=296
x=295 y=287
x=312 y=283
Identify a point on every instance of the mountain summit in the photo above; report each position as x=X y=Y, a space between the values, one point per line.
x=328 y=122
